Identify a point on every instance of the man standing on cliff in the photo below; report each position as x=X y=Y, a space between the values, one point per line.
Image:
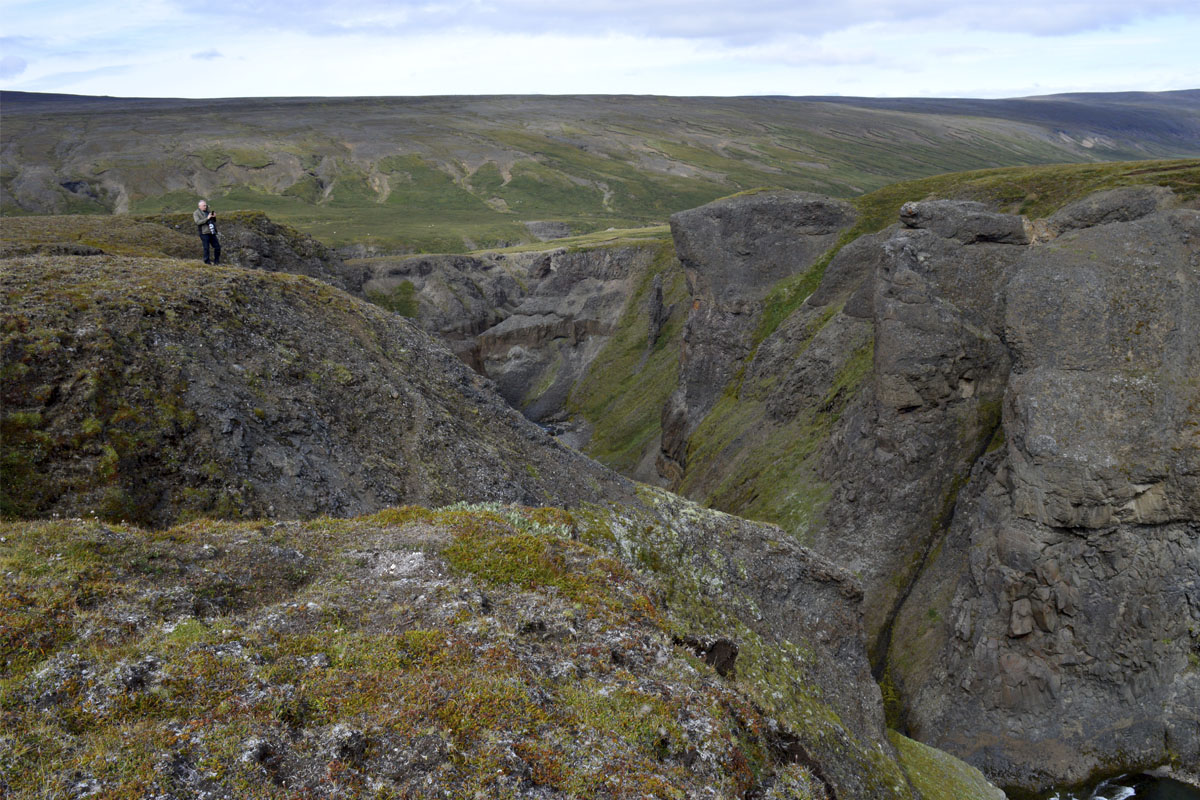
x=206 y=224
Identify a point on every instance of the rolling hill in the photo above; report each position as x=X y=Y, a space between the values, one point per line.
x=448 y=174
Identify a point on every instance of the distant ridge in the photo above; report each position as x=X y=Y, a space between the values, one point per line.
x=1129 y=113
x=459 y=173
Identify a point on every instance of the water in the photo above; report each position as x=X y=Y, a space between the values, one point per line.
x=1138 y=787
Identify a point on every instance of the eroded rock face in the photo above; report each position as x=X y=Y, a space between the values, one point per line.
x=1067 y=595
x=939 y=371
x=734 y=251
x=532 y=322
x=151 y=389
x=1013 y=476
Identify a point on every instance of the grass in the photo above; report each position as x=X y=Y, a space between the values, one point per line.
x=458 y=174
x=627 y=384
x=402 y=299
x=115 y=235
x=239 y=644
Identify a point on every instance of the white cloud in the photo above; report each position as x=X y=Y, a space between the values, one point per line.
x=687 y=47
x=741 y=23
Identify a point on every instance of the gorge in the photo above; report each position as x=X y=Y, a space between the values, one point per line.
x=255 y=514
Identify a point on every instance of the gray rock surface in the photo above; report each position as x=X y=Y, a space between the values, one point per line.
x=965 y=222
x=741 y=246
x=1014 y=476
x=1116 y=205
x=933 y=402
x=1068 y=591
x=153 y=389
x=734 y=251
x=532 y=322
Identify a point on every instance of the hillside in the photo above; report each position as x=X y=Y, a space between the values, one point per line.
x=568 y=634
x=897 y=381
x=973 y=393
x=448 y=174
x=470 y=651
x=155 y=389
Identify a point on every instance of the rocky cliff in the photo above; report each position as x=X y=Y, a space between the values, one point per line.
x=628 y=642
x=734 y=251
x=1067 y=634
x=531 y=321
x=558 y=331
x=154 y=389
x=992 y=420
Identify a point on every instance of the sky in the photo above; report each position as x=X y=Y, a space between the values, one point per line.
x=874 y=48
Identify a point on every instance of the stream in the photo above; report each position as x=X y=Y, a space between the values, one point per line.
x=1137 y=787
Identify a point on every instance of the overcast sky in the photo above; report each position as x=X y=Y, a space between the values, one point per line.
x=942 y=48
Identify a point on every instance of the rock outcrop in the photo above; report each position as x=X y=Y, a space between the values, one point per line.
x=734 y=251
x=251 y=240
x=533 y=322
x=482 y=650
x=151 y=389
x=994 y=422
x=898 y=456
x=1067 y=593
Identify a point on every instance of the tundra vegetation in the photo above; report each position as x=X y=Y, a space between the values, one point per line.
x=221 y=576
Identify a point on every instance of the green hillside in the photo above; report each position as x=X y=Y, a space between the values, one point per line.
x=448 y=174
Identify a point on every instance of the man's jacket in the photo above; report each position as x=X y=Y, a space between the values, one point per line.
x=203 y=223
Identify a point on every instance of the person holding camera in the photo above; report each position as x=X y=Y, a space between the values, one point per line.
x=206 y=223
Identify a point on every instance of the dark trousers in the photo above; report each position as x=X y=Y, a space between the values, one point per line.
x=211 y=240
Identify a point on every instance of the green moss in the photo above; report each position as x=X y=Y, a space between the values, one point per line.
x=187 y=632
x=761 y=471
x=636 y=718
x=786 y=296
x=487 y=546
x=401 y=300
x=213 y=158
x=628 y=382
x=939 y=776
x=893 y=703
x=25 y=447
x=850 y=376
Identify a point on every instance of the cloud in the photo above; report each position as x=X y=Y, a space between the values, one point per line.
x=61 y=80
x=796 y=47
x=745 y=23
x=12 y=66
